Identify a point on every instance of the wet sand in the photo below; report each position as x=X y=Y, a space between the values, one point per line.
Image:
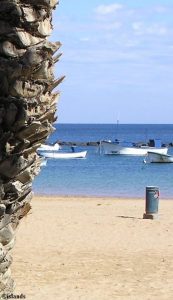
x=94 y=249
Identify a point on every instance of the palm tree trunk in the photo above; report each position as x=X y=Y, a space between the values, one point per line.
x=27 y=111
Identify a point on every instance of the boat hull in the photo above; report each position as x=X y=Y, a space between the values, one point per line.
x=64 y=155
x=153 y=157
x=111 y=148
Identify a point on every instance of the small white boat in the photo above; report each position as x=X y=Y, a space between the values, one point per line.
x=153 y=157
x=109 y=147
x=46 y=147
x=58 y=154
x=52 y=151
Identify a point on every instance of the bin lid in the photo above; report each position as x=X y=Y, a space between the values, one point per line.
x=152 y=187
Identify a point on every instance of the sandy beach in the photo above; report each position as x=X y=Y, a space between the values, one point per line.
x=94 y=249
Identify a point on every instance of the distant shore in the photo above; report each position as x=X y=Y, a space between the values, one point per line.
x=95 y=248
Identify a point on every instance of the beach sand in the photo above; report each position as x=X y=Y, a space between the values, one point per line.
x=94 y=249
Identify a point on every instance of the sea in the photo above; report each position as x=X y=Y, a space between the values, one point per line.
x=106 y=175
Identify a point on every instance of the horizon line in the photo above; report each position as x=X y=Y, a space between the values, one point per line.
x=80 y=123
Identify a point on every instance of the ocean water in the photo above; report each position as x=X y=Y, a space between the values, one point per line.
x=101 y=175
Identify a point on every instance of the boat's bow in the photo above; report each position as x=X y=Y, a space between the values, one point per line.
x=154 y=157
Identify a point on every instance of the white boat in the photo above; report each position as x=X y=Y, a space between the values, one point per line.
x=46 y=147
x=52 y=151
x=58 y=154
x=109 y=147
x=154 y=157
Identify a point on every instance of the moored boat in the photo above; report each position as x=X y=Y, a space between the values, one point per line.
x=67 y=155
x=118 y=148
x=153 y=157
x=46 y=147
x=53 y=151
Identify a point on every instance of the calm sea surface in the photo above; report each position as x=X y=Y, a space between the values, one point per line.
x=101 y=175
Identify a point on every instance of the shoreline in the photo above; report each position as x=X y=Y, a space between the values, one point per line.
x=94 y=248
x=85 y=197
x=123 y=198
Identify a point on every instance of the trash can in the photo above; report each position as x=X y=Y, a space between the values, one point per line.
x=152 y=202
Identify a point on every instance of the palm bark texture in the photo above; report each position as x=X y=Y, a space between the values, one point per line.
x=27 y=111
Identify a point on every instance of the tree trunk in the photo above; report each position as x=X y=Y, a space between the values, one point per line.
x=27 y=111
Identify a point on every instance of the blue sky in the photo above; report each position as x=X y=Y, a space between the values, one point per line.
x=118 y=61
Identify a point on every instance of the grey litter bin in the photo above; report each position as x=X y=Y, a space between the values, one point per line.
x=152 y=202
